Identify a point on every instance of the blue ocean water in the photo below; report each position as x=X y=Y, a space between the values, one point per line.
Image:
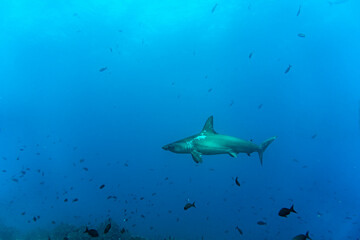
x=91 y=90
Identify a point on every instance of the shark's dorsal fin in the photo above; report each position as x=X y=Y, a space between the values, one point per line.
x=209 y=126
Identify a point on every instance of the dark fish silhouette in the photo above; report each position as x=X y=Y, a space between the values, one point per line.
x=214 y=7
x=261 y=223
x=288 y=69
x=91 y=232
x=302 y=35
x=302 y=236
x=189 y=205
x=314 y=136
x=102 y=186
x=239 y=230
x=359 y=114
x=286 y=211
x=237 y=181
x=337 y=2
x=102 y=69
x=107 y=228
x=298 y=12
x=250 y=55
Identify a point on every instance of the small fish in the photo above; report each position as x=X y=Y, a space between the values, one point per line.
x=75 y=200
x=261 y=223
x=107 y=228
x=91 y=232
x=214 y=7
x=239 y=230
x=65 y=200
x=260 y=106
x=314 y=136
x=302 y=236
x=85 y=169
x=337 y=2
x=102 y=186
x=286 y=211
x=102 y=69
x=122 y=231
x=237 y=181
x=189 y=205
x=34 y=218
x=302 y=35
x=210 y=89
x=298 y=12
x=288 y=69
x=359 y=114
x=250 y=55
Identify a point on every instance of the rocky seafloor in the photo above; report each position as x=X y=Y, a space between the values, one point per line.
x=69 y=232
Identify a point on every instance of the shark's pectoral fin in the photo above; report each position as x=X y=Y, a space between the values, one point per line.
x=233 y=154
x=196 y=156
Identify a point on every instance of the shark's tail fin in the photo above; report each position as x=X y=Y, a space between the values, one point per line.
x=263 y=147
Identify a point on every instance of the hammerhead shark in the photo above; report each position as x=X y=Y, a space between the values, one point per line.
x=209 y=142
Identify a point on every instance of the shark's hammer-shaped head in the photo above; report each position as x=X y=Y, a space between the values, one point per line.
x=177 y=147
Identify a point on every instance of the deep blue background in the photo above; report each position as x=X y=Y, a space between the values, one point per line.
x=170 y=65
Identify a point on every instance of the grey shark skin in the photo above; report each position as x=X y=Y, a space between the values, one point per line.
x=209 y=142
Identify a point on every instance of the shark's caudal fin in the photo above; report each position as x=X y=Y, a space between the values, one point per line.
x=263 y=147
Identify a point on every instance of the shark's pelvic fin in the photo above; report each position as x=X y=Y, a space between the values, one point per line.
x=209 y=126
x=233 y=154
x=263 y=147
x=196 y=156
